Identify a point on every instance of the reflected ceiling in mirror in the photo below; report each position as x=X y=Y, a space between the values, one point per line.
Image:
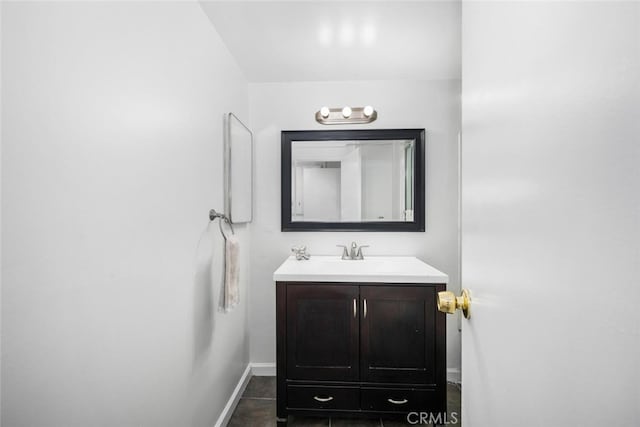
x=353 y=180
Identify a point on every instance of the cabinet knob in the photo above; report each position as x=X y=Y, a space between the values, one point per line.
x=448 y=302
x=323 y=399
x=397 y=402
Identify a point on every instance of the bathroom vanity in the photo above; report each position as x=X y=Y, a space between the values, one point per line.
x=359 y=338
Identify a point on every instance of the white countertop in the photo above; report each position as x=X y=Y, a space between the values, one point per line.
x=383 y=269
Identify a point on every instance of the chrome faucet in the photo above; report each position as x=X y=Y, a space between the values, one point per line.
x=355 y=253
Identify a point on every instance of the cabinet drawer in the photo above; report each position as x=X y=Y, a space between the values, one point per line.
x=322 y=397
x=398 y=399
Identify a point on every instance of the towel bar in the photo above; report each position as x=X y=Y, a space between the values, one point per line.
x=213 y=215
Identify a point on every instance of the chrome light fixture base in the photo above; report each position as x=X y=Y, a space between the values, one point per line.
x=336 y=116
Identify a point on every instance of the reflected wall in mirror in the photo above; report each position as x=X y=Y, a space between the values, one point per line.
x=354 y=180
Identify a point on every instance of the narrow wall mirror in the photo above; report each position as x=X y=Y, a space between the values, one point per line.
x=353 y=180
x=238 y=170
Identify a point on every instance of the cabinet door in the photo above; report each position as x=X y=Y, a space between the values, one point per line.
x=322 y=332
x=398 y=335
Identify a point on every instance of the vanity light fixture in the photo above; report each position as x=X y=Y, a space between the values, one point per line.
x=346 y=115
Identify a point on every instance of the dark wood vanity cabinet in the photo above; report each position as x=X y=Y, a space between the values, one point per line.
x=348 y=349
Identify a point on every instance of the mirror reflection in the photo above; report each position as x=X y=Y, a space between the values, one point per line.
x=238 y=170
x=352 y=180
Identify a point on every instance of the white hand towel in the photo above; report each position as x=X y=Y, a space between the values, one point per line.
x=231 y=273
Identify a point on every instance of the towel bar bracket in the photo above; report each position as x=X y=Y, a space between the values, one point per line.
x=213 y=215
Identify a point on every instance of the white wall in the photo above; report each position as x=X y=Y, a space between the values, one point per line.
x=321 y=193
x=1 y=212
x=112 y=157
x=551 y=213
x=434 y=105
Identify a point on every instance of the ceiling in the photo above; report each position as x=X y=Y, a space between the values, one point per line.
x=284 y=41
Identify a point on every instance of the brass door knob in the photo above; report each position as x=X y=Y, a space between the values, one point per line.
x=448 y=302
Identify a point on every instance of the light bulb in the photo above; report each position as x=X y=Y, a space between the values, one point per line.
x=324 y=112
x=346 y=112
x=368 y=111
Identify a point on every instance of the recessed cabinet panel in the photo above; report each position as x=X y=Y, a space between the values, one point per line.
x=394 y=343
x=322 y=329
x=396 y=325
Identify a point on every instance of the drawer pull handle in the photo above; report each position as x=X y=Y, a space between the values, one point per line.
x=323 y=399
x=398 y=402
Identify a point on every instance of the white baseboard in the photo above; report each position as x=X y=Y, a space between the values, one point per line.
x=253 y=369
x=263 y=369
x=227 y=412
x=454 y=375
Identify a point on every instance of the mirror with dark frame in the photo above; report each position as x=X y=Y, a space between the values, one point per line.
x=353 y=180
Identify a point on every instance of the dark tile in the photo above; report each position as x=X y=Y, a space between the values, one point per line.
x=454 y=408
x=263 y=387
x=254 y=413
x=295 y=421
x=399 y=422
x=349 y=422
x=396 y=423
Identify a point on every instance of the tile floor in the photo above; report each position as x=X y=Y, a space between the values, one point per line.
x=257 y=408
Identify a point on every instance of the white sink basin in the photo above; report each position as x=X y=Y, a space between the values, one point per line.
x=371 y=269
